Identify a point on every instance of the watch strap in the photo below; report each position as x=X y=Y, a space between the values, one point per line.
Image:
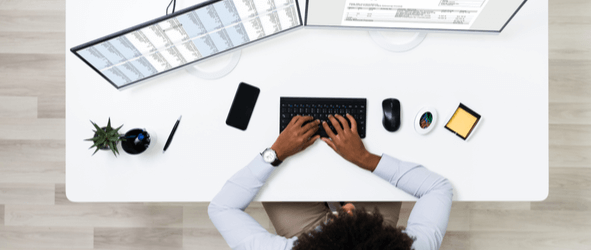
x=276 y=162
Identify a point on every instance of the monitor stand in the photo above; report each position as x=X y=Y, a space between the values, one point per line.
x=220 y=68
x=386 y=44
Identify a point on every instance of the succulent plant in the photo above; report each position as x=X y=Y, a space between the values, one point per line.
x=105 y=138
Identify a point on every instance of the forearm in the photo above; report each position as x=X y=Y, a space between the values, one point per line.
x=429 y=217
x=243 y=186
x=226 y=210
x=368 y=161
x=412 y=178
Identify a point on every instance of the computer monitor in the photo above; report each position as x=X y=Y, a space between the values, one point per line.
x=185 y=37
x=424 y=15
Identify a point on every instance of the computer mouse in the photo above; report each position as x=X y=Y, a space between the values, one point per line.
x=391 y=119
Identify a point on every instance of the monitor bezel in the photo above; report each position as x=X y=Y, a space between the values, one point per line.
x=75 y=49
x=409 y=29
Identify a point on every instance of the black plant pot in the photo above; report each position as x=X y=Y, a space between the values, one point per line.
x=136 y=141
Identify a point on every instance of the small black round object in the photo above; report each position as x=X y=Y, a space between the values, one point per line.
x=136 y=141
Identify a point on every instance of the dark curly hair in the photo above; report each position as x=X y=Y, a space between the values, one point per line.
x=359 y=231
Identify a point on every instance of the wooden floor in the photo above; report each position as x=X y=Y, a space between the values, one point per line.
x=35 y=214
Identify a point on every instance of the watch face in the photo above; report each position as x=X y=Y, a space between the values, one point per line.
x=269 y=156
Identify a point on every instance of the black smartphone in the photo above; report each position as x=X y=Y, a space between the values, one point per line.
x=242 y=106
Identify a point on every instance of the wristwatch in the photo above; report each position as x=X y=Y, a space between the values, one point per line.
x=270 y=156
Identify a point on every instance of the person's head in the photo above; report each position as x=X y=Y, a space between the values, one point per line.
x=355 y=229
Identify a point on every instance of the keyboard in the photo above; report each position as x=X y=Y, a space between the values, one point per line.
x=320 y=108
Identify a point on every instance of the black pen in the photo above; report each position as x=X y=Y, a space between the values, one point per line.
x=171 y=134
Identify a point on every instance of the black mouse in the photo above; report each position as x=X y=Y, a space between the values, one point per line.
x=391 y=118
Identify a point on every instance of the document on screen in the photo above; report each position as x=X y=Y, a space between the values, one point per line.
x=431 y=14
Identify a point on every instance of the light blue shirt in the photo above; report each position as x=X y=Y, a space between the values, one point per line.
x=427 y=221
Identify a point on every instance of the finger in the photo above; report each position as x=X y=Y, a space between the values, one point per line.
x=327 y=130
x=335 y=124
x=312 y=130
x=311 y=126
x=302 y=120
x=311 y=141
x=343 y=122
x=353 y=123
x=294 y=119
x=330 y=144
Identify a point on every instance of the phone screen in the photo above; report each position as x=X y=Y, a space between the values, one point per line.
x=242 y=106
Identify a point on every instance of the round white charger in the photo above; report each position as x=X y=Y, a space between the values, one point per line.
x=431 y=125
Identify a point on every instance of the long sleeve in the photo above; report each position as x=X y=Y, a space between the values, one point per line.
x=429 y=217
x=226 y=210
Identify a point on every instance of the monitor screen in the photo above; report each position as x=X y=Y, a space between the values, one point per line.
x=185 y=37
x=456 y=15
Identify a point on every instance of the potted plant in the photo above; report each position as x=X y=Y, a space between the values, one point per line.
x=106 y=138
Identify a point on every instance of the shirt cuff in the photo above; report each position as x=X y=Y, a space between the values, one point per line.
x=260 y=169
x=387 y=168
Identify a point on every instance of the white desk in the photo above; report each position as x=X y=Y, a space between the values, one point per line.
x=503 y=77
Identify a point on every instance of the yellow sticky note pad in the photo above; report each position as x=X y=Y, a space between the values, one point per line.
x=462 y=122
